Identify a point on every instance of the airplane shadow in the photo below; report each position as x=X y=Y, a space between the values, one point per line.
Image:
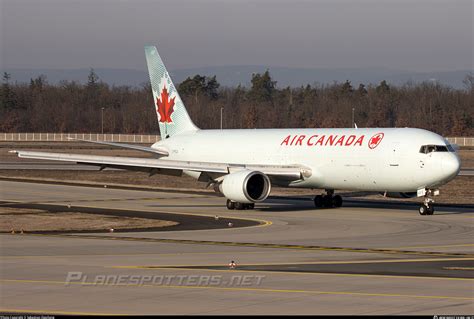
x=439 y=210
x=305 y=203
x=185 y=206
x=276 y=206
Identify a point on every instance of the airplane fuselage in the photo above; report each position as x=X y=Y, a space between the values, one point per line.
x=371 y=159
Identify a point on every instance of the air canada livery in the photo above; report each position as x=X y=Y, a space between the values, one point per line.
x=243 y=165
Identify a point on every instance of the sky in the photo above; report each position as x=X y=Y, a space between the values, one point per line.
x=415 y=35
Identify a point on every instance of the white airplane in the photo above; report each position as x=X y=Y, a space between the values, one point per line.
x=244 y=164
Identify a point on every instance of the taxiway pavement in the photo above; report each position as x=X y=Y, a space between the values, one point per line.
x=363 y=258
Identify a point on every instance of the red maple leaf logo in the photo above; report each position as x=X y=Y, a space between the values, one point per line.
x=164 y=107
x=375 y=140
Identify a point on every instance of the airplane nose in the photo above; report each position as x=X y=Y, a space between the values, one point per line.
x=451 y=166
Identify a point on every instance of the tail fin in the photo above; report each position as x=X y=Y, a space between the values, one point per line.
x=172 y=115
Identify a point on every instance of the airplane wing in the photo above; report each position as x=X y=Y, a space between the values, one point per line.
x=209 y=171
x=159 y=151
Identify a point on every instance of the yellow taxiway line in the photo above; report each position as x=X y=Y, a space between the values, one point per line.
x=396 y=277
x=326 y=262
x=260 y=245
x=245 y=289
x=432 y=246
x=139 y=255
x=261 y=222
x=56 y=312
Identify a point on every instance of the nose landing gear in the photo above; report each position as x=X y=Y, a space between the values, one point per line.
x=427 y=208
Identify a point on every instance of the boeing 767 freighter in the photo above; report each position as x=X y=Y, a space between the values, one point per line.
x=244 y=164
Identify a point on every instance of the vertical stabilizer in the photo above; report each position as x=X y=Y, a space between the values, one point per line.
x=172 y=115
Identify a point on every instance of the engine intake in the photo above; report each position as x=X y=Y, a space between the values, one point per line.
x=246 y=186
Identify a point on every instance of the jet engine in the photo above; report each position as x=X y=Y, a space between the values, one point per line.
x=246 y=186
x=400 y=194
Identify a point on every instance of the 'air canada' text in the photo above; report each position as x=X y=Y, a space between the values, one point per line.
x=323 y=140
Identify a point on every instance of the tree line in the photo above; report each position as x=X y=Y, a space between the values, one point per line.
x=78 y=108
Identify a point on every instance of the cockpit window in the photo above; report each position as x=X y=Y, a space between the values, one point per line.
x=436 y=148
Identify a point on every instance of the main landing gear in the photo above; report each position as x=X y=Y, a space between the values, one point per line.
x=427 y=207
x=329 y=200
x=239 y=206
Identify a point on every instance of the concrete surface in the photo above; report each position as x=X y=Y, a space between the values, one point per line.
x=268 y=278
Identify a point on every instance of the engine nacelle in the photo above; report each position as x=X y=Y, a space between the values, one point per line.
x=400 y=195
x=246 y=186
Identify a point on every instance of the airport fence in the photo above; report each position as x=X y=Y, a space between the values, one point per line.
x=60 y=137
x=131 y=138
x=461 y=141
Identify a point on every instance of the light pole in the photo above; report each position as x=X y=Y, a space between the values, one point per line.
x=102 y=121
x=353 y=109
x=222 y=109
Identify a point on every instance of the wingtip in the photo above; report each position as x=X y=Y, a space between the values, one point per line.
x=13 y=151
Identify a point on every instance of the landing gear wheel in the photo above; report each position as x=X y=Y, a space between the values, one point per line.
x=426 y=210
x=337 y=201
x=327 y=201
x=230 y=204
x=239 y=206
x=430 y=210
x=318 y=201
x=422 y=210
x=250 y=206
